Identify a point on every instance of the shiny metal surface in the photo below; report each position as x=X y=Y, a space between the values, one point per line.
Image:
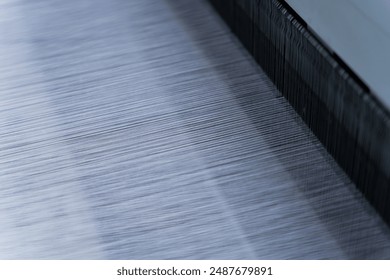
x=359 y=32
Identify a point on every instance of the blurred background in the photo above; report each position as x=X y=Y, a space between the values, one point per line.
x=142 y=129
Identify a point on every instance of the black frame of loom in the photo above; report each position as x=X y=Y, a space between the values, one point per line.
x=336 y=105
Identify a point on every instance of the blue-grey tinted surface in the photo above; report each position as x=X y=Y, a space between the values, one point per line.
x=142 y=130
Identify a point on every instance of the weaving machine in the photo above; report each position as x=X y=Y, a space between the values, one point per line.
x=148 y=130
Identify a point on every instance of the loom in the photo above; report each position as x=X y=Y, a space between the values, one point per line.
x=221 y=129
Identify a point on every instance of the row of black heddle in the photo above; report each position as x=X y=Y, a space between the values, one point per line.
x=337 y=106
